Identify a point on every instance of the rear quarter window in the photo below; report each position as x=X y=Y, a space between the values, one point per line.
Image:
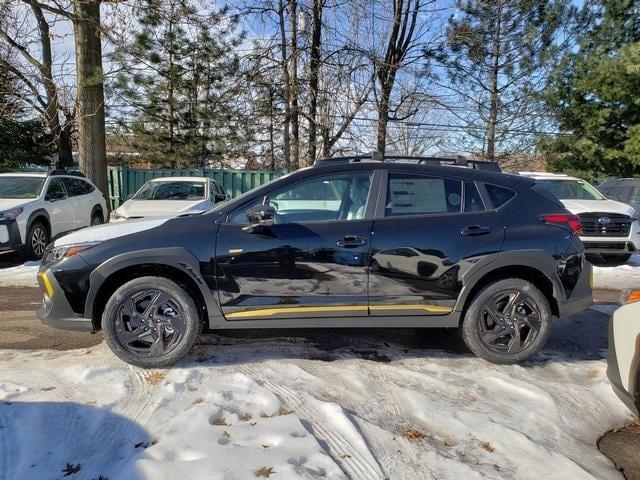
x=499 y=195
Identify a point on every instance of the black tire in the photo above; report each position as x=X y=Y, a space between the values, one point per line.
x=615 y=259
x=36 y=241
x=132 y=328
x=479 y=327
x=96 y=219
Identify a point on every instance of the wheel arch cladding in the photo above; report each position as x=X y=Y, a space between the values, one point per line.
x=40 y=215
x=523 y=272
x=120 y=277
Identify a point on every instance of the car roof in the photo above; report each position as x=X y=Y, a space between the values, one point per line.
x=25 y=174
x=463 y=173
x=180 y=179
x=547 y=176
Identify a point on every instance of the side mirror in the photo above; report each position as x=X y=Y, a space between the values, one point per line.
x=55 y=196
x=219 y=197
x=260 y=218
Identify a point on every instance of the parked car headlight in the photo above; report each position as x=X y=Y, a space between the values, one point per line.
x=9 y=215
x=63 y=251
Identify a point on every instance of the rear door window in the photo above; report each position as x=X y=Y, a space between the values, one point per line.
x=414 y=194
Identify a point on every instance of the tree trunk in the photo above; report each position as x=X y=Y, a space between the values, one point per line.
x=493 y=106
x=90 y=97
x=293 y=75
x=383 y=116
x=314 y=75
x=286 y=88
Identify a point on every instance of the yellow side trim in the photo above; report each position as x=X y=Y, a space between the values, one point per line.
x=271 y=311
x=426 y=308
x=46 y=284
x=267 y=312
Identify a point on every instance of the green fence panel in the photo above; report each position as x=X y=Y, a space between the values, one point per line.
x=125 y=181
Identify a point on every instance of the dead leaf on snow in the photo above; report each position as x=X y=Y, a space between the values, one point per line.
x=264 y=415
x=412 y=434
x=246 y=417
x=155 y=378
x=70 y=469
x=264 y=472
x=488 y=447
x=220 y=421
x=284 y=411
x=448 y=444
x=592 y=372
x=48 y=388
x=198 y=400
x=264 y=445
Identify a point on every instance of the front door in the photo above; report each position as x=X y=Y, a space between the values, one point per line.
x=427 y=235
x=312 y=262
x=60 y=207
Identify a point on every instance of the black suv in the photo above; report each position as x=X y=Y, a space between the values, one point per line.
x=349 y=242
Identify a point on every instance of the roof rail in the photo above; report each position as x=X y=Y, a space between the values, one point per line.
x=71 y=173
x=457 y=161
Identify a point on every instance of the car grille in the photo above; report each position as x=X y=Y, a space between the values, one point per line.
x=605 y=224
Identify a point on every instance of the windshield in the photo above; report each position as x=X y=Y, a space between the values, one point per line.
x=172 y=191
x=571 y=189
x=20 y=187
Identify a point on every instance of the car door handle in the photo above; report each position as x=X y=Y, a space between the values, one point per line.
x=475 y=230
x=351 y=241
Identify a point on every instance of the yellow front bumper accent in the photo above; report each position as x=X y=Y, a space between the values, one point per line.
x=46 y=284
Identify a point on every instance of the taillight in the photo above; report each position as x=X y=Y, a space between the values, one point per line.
x=566 y=220
x=630 y=296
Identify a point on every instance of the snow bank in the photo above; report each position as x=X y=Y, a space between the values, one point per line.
x=618 y=278
x=20 y=276
x=285 y=408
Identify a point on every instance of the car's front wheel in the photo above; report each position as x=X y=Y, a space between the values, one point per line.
x=508 y=321
x=151 y=322
x=37 y=240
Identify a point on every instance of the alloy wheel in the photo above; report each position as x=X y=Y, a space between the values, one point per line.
x=149 y=323
x=38 y=241
x=509 y=321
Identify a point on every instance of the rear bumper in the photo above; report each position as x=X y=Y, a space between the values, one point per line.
x=10 y=239
x=581 y=296
x=55 y=310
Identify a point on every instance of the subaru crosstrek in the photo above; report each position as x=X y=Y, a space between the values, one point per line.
x=349 y=242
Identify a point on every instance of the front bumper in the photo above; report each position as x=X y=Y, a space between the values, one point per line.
x=622 y=361
x=55 y=310
x=10 y=239
x=613 y=245
x=581 y=296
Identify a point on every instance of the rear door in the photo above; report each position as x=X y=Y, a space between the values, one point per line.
x=311 y=263
x=428 y=232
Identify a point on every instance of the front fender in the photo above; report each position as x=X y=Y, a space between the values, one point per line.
x=176 y=257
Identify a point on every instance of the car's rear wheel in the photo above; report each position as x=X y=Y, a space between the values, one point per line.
x=97 y=219
x=151 y=322
x=508 y=321
x=37 y=240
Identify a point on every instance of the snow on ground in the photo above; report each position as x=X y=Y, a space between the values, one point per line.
x=332 y=405
x=20 y=276
x=618 y=278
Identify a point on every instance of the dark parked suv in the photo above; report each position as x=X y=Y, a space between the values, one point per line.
x=350 y=242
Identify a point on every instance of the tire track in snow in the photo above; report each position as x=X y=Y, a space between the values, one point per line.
x=352 y=462
x=384 y=415
x=137 y=406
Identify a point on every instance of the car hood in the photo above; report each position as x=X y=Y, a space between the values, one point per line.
x=9 y=203
x=600 y=206
x=160 y=208
x=109 y=231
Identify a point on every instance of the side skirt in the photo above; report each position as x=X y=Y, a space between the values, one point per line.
x=451 y=320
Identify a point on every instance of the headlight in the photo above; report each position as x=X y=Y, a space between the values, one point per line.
x=58 y=253
x=9 y=215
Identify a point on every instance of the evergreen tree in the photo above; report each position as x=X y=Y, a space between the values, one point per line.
x=594 y=93
x=496 y=56
x=179 y=85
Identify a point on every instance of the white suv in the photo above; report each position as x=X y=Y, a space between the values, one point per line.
x=37 y=207
x=610 y=229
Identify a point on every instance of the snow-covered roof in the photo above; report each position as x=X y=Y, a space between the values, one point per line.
x=547 y=175
x=25 y=174
x=180 y=179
